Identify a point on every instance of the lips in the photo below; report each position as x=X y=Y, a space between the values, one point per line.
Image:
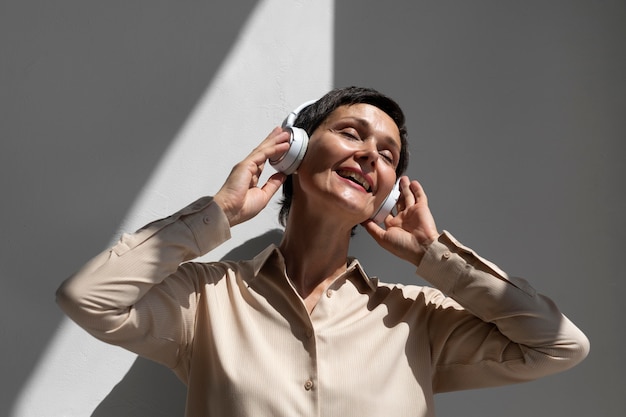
x=355 y=177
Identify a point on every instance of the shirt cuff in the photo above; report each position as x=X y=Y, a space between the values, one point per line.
x=209 y=225
x=204 y=218
x=446 y=260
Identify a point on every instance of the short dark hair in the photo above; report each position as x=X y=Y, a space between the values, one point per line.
x=311 y=117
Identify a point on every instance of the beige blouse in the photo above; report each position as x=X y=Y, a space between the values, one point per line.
x=239 y=336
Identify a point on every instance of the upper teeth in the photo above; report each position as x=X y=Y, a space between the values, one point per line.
x=356 y=177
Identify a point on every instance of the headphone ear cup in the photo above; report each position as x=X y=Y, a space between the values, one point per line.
x=290 y=160
x=387 y=205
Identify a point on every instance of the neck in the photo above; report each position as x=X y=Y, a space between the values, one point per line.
x=315 y=251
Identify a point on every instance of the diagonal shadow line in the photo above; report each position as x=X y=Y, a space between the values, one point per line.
x=97 y=95
x=150 y=388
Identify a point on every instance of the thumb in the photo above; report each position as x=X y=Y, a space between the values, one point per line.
x=373 y=229
x=273 y=184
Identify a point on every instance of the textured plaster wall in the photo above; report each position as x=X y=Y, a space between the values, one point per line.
x=114 y=114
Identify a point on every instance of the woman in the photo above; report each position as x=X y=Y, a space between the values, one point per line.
x=301 y=329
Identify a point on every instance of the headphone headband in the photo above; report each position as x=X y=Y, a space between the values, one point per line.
x=291 y=117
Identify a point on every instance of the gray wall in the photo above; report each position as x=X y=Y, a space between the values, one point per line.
x=516 y=117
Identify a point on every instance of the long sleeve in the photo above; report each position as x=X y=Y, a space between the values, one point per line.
x=512 y=333
x=106 y=296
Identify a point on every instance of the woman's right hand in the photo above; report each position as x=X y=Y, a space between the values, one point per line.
x=240 y=197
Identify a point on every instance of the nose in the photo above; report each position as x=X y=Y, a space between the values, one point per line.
x=368 y=153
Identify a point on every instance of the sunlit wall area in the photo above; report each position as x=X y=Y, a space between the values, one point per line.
x=123 y=114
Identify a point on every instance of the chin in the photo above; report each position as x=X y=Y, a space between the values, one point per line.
x=357 y=211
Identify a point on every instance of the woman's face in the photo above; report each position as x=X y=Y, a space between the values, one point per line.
x=350 y=162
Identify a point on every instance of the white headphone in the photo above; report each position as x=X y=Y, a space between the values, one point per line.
x=298 y=143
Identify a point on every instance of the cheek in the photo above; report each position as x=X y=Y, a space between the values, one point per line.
x=323 y=154
x=387 y=179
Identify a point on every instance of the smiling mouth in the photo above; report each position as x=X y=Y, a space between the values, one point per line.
x=356 y=178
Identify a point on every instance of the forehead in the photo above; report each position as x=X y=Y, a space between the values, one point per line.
x=367 y=117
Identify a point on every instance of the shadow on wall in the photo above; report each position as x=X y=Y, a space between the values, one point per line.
x=92 y=95
x=150 y=388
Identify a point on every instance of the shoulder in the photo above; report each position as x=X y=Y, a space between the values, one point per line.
x=214 y=272
x=413 y=294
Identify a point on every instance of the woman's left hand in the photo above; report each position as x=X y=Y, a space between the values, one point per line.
x=409 y=233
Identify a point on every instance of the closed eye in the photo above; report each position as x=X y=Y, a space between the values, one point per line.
x=387 y=156
x=353 y=134
x=350 y=133
x=351 y=128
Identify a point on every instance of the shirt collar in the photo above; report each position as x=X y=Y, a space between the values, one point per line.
x=272 y=254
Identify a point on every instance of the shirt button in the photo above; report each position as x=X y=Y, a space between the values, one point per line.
x=329 y=293
x=446 y=255
x=206 y=219
x=308 y=385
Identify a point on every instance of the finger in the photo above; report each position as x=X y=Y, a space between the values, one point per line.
x=418 y=192
x=277 y=136
x=373 y=229
x=273 y=183
x=408 y=197
x=273 y=146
